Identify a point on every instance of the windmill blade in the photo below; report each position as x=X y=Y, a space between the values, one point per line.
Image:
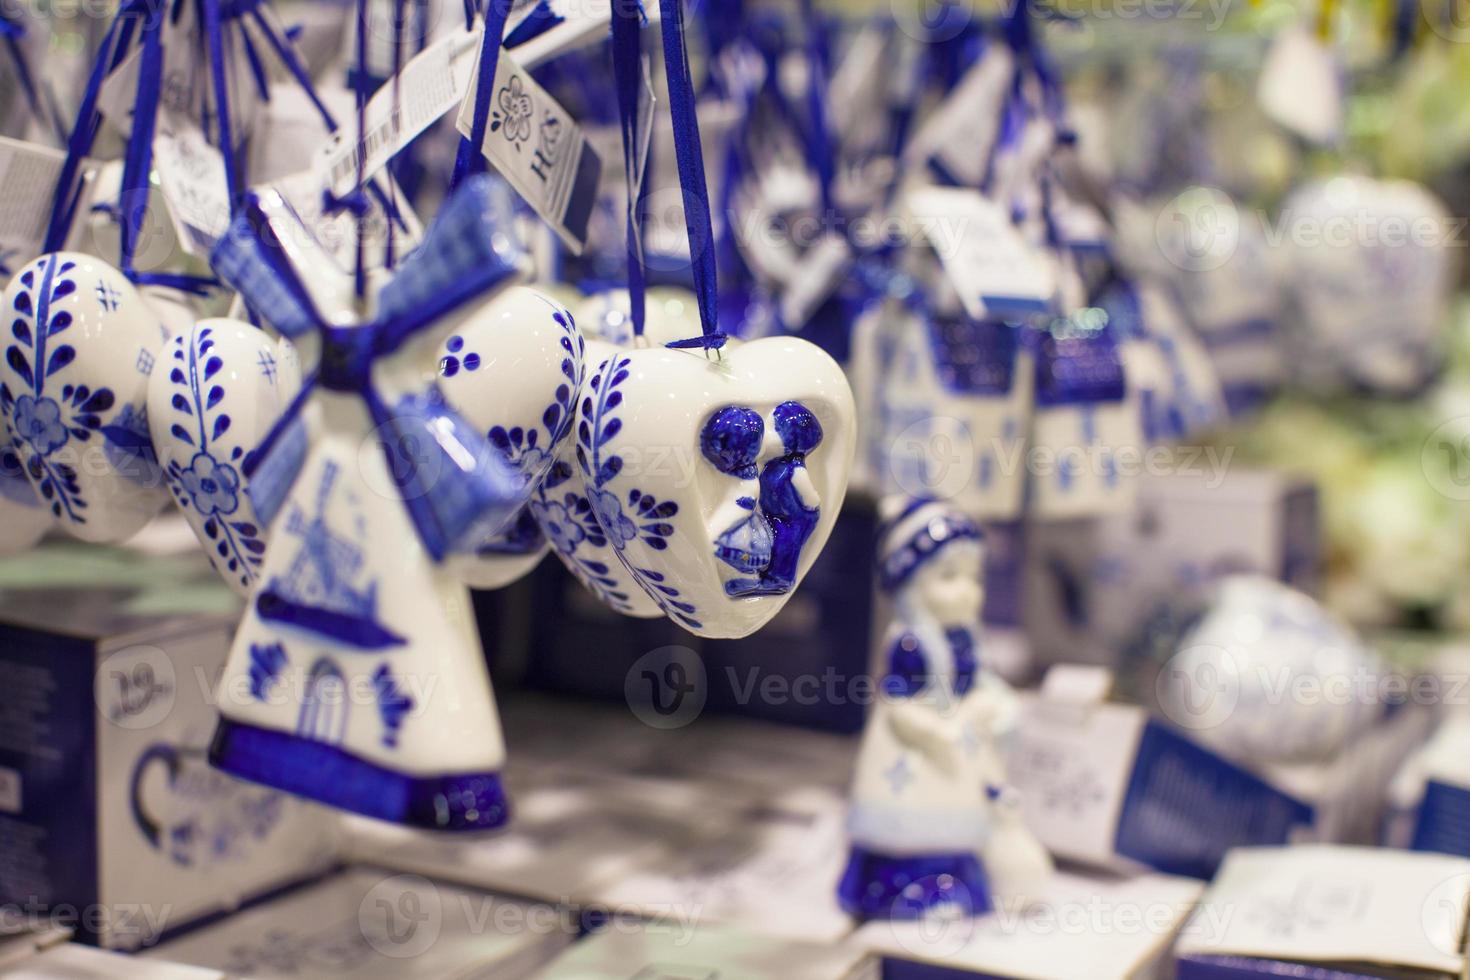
x=468 y=251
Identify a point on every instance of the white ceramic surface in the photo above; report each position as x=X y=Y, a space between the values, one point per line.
x=512 y=368
x=1269 y=676
x=669 y=314
x=23 y=521
x=650 y=423
x=220 y=387
x=78 y=354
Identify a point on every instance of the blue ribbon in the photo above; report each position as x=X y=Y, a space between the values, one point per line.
x=627 y=24
x=471 y=489
x=13 y=31
x=470 y=159
x=690 y=158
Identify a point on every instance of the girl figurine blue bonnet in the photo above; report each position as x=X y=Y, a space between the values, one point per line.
x=933 y=824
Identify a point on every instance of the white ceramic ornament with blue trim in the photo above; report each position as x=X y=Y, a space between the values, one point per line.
x=513 y=367
x=933 y=821
x=80 y=346
x=717 y=476
x=218 y=390
x=1257 y=639
x=356 y=677
x=670 y=314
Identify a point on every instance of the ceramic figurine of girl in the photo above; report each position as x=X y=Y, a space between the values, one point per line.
x=932 y=819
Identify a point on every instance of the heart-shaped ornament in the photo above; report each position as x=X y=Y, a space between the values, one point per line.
x=218 y=390
x=81 y=345
x=717 y=476
x=512 y=368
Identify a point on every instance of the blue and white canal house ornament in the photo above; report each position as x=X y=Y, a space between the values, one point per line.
x=1085 y=430
x=935 y=828
x=356 y=677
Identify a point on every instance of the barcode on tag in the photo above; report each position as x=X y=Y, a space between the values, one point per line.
x=431 y=84
x=540 y=149
x=28 y=176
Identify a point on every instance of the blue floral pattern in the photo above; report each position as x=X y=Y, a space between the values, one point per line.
x=638 y=516
x=211 y=483
x=42 y=421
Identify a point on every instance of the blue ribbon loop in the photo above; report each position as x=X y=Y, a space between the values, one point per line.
x=456 y=486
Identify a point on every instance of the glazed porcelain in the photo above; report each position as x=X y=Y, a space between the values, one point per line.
x=512 y=367
x=220 y=387
x=1236 y=680
x=1086 y=434
x=356 y=677
x=78 y=354
x=1371 y=273
x=562 y=509
x=669 y=315
x=23 y=519
x=929 y=791
x=717 y=476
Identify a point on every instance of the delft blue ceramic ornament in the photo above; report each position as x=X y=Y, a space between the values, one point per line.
x=932 y=818
x=218 y=390
x=1371 y=289
x=79 y=350
x=513 y=368
x=1083 y=424
x=24 y=519
x=1257 y=639
x=356 y=677
x=717 y=477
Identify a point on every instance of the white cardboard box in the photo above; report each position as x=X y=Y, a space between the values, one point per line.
x=378 y=925
x=112 y=822
x=627 y=949
x=1364 y=912
x=1080 y=927
x=71 y=961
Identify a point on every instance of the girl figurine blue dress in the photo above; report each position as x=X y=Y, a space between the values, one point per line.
x=929 y=800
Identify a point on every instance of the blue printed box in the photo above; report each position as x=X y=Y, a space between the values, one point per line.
x=112 y=823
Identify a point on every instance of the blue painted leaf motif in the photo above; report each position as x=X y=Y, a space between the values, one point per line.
x=221 y=426
x=212 y=366
x=215 y=396
x=101 y=401
x=21 y=331
x=176 y=376
x=181 y=433
x=19 y=365
x=64 y=288
x=59 y=322
x=23 y=302
x=181 y=404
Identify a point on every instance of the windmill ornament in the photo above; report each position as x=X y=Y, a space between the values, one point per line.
x=357 y=677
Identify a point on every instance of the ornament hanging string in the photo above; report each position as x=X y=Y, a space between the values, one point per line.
x=627 y=23
x=13 y=31
x=470 y=159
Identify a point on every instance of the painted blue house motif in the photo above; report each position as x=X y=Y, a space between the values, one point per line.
x=952 y=399
x=319 y=592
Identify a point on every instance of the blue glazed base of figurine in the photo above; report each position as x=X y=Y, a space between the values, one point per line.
x=882 y=886
x=327 y=774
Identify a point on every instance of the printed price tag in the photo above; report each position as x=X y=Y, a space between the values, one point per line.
x=28 y=176
x=993 y=269
x=540 y=149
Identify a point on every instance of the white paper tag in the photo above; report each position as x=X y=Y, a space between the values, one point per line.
x=432 y=83
x=992 y=267
x=1299 y=87
x=336 y=234
x=817 y=274
x=28 y=176
x=857 y=86
x=191 y=175
x=540 y=149
x=583 y=22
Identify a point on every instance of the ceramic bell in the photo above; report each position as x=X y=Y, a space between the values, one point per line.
x=23 y=519
x=1234 y=681
x=717 y=476
x=219 y=388
x=513 y=367
x=81 y=346
x=356 y=677
x=932 y=817
x=1370 y=272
